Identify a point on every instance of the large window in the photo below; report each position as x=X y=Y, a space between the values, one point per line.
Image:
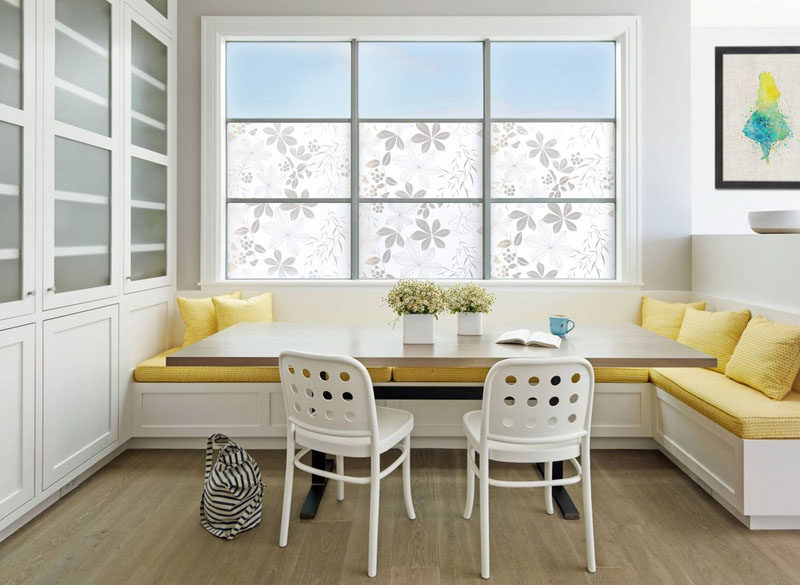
x=451 y=159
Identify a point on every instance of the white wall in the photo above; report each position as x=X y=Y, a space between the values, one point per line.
x=666 y=220
x=730 y=23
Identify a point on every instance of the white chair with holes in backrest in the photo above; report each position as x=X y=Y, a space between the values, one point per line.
x=534 y=411
x=330 y=408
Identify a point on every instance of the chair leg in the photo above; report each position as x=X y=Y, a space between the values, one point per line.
x=588 y=520
x=287 y=491
x=407 y=478
x=374 y=506
x=340 y=483
x=470 y=483
x=484 y=504
x=548 y=491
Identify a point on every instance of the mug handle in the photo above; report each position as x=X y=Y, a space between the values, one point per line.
x=570 y=322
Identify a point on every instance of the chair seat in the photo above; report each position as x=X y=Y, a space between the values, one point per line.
x=393 y=426
x=515 y=452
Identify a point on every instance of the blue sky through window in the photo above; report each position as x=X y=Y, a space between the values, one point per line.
x=420 y=80
x=288 y=80
x=436 y=80
x=548 y=79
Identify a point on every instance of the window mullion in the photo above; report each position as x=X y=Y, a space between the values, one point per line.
x=486 y=169
x=354 y=163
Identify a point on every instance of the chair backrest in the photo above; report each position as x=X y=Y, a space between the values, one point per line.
x=328 y=394
x=538 y=400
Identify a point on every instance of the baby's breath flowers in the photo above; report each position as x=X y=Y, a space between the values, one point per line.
x=415 y=297
x=468 y=298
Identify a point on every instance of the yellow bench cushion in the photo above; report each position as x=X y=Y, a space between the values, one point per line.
x=621 y=375
x=156 y=370
x=745 y=412
x=466 y=375
x=602 y=375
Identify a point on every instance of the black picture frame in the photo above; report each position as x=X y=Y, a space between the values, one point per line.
x=719 y=153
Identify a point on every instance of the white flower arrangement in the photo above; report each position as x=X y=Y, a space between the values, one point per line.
x=468 y=298
x=416 y=297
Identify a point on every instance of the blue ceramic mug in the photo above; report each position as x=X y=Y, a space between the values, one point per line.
x=561 y=325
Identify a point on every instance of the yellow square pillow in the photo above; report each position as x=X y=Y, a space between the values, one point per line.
x=665 y=318
x=714 y=333
x=767 y=357
x=200 y=317
x=232 y=311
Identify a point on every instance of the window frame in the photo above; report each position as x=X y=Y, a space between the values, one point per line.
x=624 y=31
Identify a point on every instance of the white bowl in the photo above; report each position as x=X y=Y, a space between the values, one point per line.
x=775 y=222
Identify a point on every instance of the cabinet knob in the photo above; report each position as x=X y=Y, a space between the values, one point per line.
x=51 y=289
x=127 y=278
x=30 y=293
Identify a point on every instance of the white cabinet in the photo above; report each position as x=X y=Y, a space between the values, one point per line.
x=80 y=390
x=17 y=353
x=159 y=12
x=149 y=176
x=83 y=130
x=17 y=157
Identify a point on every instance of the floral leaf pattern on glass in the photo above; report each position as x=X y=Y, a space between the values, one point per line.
x=553 y=159
x=288 y=240
x=441 y=160
x=553 y=240
x=420 y=240
x=271 y=160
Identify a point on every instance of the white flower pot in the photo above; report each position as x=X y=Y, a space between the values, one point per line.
x=470 y=323
x=418 y=328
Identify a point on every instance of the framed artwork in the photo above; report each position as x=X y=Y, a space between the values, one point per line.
x=758 y=117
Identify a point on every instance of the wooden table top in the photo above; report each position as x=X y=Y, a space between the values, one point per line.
x=259 y=344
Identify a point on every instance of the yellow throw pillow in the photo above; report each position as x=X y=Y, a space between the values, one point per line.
x=714 y=333
x=767 y=357
x=665 y=318
x=232 y=311
x=200 y=317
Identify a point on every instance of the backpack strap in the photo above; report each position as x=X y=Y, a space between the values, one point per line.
x=254 y=505
x=213 y=441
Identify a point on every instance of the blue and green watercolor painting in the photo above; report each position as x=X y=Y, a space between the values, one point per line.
x=767 y=126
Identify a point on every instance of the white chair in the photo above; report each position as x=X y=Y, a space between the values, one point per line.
x=330 y=407
x=534 y=411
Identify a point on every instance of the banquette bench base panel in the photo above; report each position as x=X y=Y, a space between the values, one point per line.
x=199 y=409
x=752 y=478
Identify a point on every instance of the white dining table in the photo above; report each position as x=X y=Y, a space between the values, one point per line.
x=621 y=345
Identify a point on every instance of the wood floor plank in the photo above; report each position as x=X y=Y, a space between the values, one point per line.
x=136 y=522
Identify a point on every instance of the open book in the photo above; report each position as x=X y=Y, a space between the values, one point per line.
x=526 y=337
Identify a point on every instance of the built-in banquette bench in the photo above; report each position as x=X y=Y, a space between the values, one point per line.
x=740 y=444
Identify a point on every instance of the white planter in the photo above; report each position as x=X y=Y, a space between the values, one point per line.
x=418 y=328
x=470 y=323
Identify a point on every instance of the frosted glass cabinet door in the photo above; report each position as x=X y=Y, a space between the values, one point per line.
x=148 y=223
x=11 y=53
x=83 y=65
x=82 y=216
x=10 y=212
x=148 y=90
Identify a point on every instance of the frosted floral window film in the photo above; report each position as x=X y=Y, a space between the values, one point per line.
x=553 y=240
x=420 y=160
x=420 y=240
x=553 y=159
x=274 y=160
x=288 y=240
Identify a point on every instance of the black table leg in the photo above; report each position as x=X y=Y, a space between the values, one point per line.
x=317 y=488
x=560 y=495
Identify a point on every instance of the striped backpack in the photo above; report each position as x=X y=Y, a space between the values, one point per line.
x=232 y=492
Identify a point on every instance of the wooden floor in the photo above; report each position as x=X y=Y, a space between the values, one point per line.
x=136 y=522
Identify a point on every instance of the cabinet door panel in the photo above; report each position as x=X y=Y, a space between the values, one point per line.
x=17 y=366
x=81 y=383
